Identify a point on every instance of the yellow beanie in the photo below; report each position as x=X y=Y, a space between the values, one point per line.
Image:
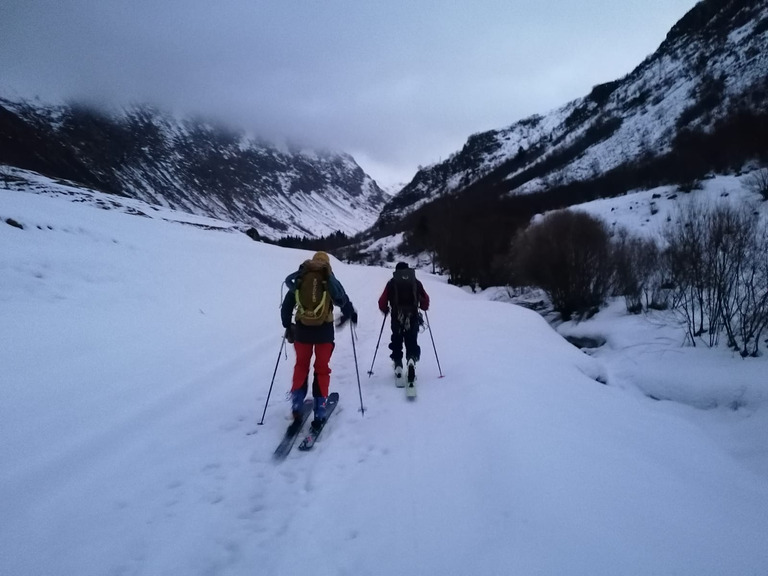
x=322 y=256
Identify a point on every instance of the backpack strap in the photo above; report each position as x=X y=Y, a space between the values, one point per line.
x=316 y=311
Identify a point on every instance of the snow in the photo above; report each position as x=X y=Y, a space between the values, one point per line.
x=649 y=212
x=137 y=354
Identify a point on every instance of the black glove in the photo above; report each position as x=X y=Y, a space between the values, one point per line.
x=344 y=319
x=289 y=334
x=385 y=311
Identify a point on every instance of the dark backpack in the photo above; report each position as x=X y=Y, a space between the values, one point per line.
x=404 y=291
x=313 y=302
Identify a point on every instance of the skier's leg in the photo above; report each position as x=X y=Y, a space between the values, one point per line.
x=411 y=338
x=322 y=377
x=300 y=380
x=301 y=368
x=396 y=343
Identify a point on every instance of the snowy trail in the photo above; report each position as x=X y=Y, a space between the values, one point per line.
x=131 y=447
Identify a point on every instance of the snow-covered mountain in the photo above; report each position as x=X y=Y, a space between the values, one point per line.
x=712 y=65
x=193 y=166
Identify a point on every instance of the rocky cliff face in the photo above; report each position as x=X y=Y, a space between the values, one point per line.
x=193 y=166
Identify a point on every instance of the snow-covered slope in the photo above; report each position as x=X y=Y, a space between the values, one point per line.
x=649 y=212
x=137 y=355
x=713 y=62
x=192 y=166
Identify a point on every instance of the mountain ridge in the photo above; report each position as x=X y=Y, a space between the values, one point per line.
x=711 y=60
x=192 y=165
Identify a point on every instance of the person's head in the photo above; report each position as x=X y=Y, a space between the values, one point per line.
x=401 y=266
x=321 y=257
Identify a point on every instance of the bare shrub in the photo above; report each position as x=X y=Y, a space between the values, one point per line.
x=567 y=254
x=716 y=258
x=685 y=263
x=757 y=182
x=751 y=303
x=636 y=262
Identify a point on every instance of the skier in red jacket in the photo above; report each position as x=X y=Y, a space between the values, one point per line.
x=404 y=295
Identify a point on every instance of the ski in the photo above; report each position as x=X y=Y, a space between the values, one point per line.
x=399 y=380
x=289 y=439
x=410 y=389
x=311 y=438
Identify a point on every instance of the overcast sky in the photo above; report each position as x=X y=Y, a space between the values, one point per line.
x=395 y=83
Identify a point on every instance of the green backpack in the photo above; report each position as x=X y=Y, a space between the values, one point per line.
x=313 y=302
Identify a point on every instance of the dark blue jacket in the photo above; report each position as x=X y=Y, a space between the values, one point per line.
x=314 y=334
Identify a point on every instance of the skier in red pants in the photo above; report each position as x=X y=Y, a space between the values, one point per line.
x=312 y=291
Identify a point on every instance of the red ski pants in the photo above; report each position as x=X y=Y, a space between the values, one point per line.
x=322 y=368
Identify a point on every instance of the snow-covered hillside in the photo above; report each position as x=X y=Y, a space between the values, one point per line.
x=137 y=354
x=712 y=64
x=649 y=212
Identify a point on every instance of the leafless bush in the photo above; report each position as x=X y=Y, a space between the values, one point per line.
x=636 y=263
x=757 y=182
x=685 y=263
x=751 y=303
x=567 y=254
x=717 y=260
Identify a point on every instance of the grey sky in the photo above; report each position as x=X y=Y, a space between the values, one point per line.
x=395 y=83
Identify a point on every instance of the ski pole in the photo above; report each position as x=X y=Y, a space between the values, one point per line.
x=357 y=371
x=282 y=344
x=433 y=344
x=370 y=372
